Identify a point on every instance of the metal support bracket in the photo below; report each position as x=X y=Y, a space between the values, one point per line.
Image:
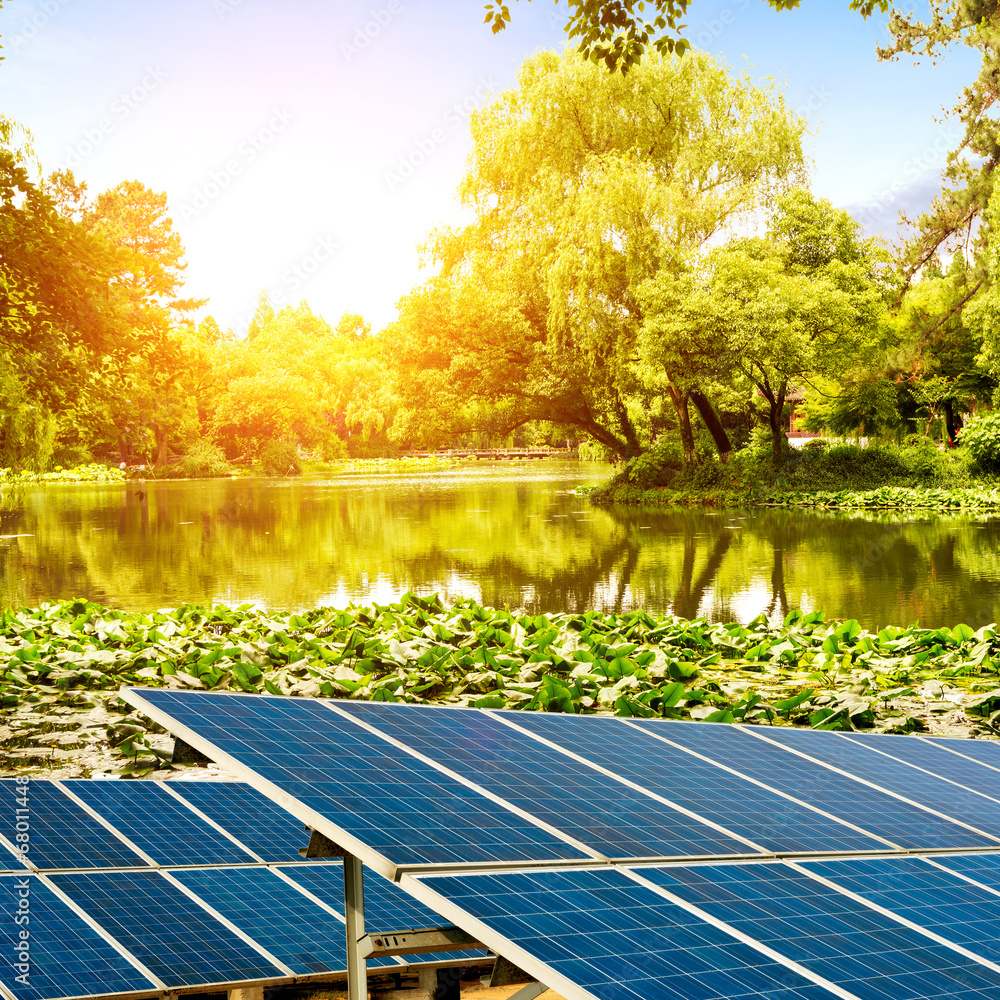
x=354 y=911
x=529 y=992
x=418 y=942
x=320 y=846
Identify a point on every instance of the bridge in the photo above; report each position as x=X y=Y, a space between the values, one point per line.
x=495 y=454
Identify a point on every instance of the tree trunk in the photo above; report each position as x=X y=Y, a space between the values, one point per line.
x=950 y=422
x=776 y=403
x=163 y=451
x=711 y=420
x=680 y=401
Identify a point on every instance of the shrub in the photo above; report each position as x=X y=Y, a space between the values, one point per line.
x=923 y=457
x=279 y=458
x=816 y=444
x=204 y=459
x=981 y=435
x=656 y=467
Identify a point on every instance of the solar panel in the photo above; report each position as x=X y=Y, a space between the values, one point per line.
x=584 y=803
x=921 y=891
x=306 y=937
x=66 y=957
x=600 y=931
x=902 y=823
x=331 y=770
x=851 y=757
x=62 y=833
x=157 y=823
x=866 y=924
x=779 y=824
x=830 y=934
x=267 y=829
x=166 y=930
x=986 y=752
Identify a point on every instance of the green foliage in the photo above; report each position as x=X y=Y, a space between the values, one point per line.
x=94 y=473
x=279 y=458
x=73 y=656
x=204 y=460
x=981 y=435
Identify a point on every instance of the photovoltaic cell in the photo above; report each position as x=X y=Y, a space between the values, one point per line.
x=62 y=834
x=168 y=932
x=387 y=907
x=772 y=821
x=303 y=935
x=829 y=933
x=68 y=958
x=157 y=823
x=925 y=895
x=984 y=868
x=886 y=772
x=399 y=807
x=255 y=820
x=935 y=758
x=984 y=751
x=597 y=810
x=619 y=940
x=888 y=817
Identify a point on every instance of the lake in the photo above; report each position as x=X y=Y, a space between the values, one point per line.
x=506 y=533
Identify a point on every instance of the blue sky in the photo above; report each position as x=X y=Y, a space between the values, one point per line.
x=277 y=130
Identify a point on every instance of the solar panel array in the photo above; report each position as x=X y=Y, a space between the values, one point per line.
x=647 y=858
x=143 y=886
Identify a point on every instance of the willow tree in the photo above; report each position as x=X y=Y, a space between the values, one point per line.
x=583 y=185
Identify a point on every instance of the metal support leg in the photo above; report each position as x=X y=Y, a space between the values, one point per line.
x=354 y=910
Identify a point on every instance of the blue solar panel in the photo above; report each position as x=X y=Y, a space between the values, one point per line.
x=932 y=756
x=292 y=927
x=984 y=868
x=157 y=823
x=67 y=957
x=772 y=821
x=898 y=822
x=925 y=895
x=597 y=810
x=886 y=772
x=387 y=907
x=619 y=940
x=828 y=933
x=168 y=932
x=985 y=751
x=62 y=834
x=398 y=806
x=256 y=821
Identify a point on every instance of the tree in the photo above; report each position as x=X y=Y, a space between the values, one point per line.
x=953 y=220
x=583 y=185
x=617 y=33
x=806 y=300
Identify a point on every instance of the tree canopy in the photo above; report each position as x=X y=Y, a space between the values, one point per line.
x=617 y=32
x=583 y=186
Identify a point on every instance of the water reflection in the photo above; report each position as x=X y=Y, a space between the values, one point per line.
x=507 y=535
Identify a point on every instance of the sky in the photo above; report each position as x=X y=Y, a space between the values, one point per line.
x=308 y=148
